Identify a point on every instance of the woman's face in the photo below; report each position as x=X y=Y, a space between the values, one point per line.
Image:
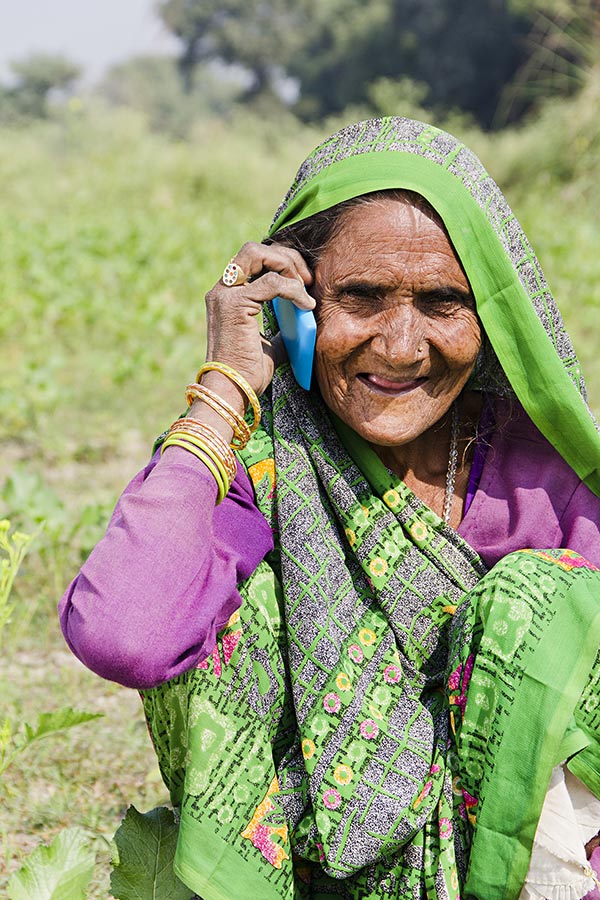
x=397 y=332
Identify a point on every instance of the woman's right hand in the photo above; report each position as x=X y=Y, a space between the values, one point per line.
x=233 y=323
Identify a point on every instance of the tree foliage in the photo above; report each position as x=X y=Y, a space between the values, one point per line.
x=36 y=78
x=464 y=51
x=260 y=35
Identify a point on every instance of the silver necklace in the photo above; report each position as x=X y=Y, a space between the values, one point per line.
x=452 y=461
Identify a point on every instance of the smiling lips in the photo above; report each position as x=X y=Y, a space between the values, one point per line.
x=387 y=386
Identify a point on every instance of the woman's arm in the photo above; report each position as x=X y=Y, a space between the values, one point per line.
x=162 y=582
x=149 y=601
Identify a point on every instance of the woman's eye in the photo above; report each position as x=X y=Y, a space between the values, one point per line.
x=361 y=301
x=447 y=301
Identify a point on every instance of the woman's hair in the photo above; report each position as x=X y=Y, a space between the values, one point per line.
x=311 y=236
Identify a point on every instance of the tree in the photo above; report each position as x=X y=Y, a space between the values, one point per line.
x=152 y=85
x=464 y=51
x=260 y=35
x=37 y=77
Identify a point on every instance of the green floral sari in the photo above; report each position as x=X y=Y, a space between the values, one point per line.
x=381 y=717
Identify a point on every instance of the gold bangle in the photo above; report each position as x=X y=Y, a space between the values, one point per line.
x=238 y=380
x=227 y=473
x=239 y=426
x=211 y=437
x=221 y=481
x=210 y=454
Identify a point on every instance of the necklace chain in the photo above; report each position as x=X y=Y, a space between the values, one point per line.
x=452 y=461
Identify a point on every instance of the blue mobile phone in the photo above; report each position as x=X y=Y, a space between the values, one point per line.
x=299 y=332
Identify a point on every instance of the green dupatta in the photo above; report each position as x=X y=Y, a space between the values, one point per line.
x=364 y=727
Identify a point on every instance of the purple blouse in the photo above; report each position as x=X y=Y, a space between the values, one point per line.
x=161 y=583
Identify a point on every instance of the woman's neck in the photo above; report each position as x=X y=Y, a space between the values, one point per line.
x=423 y=464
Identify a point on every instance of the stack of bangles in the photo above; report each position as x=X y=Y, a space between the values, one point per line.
x=204 y=441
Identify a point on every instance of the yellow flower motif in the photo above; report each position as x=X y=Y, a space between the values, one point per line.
x=365 y=510
x=367 y=637
x=378 y=566
x=351 y=536
x=418 y=531
x=234 y=618
x=391 y=498
x=375 y=712
x=308 y=748
x=258 y=471
x=343 y=682
x=343 y=774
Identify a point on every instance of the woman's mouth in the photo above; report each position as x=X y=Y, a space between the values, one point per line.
x=389 y=386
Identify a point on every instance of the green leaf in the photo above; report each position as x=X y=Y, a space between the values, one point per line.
x=59 y=720
x=146 y=849
x=47 y=724
x=61 y=871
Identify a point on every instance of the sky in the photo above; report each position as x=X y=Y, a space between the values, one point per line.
x=93 y=33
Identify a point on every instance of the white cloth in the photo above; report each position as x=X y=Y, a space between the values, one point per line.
x=558 y=869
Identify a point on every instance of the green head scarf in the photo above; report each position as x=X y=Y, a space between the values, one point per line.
x=520 y=318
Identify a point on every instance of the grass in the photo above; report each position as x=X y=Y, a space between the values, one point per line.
x=109 y=238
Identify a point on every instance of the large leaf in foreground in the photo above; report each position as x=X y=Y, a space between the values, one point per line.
x=146 y=850
x=61 y=871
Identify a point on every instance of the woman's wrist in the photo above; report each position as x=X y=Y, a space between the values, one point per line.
x=204 y=413
x=226 y=389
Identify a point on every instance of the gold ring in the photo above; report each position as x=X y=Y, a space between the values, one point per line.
x=233 y=275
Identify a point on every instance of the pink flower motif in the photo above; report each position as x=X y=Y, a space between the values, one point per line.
x=459 y=681
x=369 y=729
x=434 y=769
x=392 y=674
x=230 y=642
x=454 y=680
x=445 y=828
x=469 y=799
x=332 y=798
x=355 y=653
x=261 y=838
x=576 y=562
x=216 y=659
x=331 y=702
x=424 y=793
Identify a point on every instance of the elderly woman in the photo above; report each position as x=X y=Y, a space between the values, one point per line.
x=360 y=678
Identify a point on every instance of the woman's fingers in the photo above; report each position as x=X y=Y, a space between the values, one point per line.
x=233 y=323
x=249 y=298
x=254 y=258
x=272 y=284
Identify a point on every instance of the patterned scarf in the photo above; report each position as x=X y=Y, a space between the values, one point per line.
x=381 y=717
x=321 y=751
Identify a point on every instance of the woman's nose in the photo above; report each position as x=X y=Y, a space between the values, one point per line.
x=398 y=334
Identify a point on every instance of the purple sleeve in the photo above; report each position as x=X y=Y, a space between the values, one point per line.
x=528 y=496
x=147 y=604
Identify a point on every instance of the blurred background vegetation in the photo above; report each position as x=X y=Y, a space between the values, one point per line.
x=120 y=205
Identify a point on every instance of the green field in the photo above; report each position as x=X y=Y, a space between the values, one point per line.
x=109 y=238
